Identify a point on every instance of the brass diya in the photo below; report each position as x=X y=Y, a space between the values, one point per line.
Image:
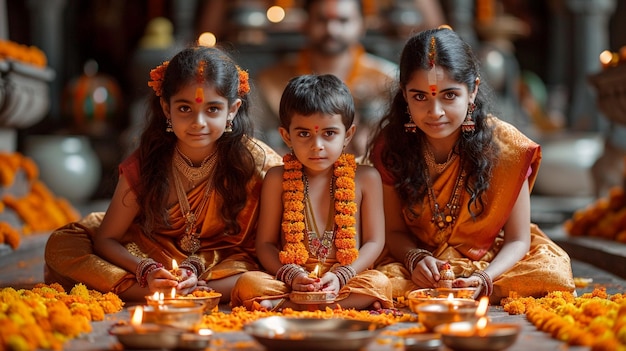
x=209 y=302
x=420 y=296
x=432 y=314
x=462 y=336
x=182 y=315
x=312 y=297
x=146 y=336
x=278 y=333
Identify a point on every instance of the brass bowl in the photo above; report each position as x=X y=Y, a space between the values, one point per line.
x=304 y=334
x=184 y=316
x=146 y=336
x=420 y=296
x=432 y=314
x=463 y=336
x=209 y=302
x=312 y=297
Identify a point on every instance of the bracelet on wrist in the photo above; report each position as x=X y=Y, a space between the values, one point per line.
x=288 y=272
x=344 y=274
x=487 y=283
x=413 y=257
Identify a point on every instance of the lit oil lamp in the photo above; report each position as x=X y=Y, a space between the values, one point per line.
x=176 y=272
x=432 y=314
x=480 y=334
x=140 y=334
x=316 y=272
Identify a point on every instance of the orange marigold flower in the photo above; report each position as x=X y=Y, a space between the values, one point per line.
x=156 y=78
x=244 y=84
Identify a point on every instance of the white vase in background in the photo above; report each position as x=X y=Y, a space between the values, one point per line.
x=67 y=165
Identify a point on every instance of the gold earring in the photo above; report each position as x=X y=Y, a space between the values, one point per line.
x=410 y=126
x=469 y=125
x=169 y=127
x=229 y=126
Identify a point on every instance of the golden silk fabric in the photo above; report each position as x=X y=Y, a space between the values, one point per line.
x=256 y=286
x=471 y=244
x=70 y=257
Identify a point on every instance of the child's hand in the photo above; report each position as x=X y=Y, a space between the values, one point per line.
x=187 y=282
x=161 y=280
x=330 y=283
x=426 y=272
x=303 y=282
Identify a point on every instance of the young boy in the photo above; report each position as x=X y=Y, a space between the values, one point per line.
x=320 y=227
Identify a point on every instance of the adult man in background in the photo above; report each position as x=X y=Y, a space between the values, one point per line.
x=334 y=29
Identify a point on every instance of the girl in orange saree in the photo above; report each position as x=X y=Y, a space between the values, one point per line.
x=457 y=182
x=189 y=193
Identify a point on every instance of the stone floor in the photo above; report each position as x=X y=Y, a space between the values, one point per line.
x=603 y=261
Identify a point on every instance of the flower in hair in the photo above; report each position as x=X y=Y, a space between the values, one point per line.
x=244 y=84
x=157 y=75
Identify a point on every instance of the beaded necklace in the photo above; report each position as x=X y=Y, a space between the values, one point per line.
x=443 y=218
x=319 y=246
x=185 y=166
x=438 y=168
x=189 y=241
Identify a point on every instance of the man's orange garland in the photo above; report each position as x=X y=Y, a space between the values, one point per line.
x=293 y=225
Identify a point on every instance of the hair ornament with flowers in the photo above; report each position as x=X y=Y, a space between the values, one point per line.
x=244 y=84
x=157 y=75
x=293 y=226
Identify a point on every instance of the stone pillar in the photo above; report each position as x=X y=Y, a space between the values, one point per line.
x=460 y=16
x=4 y=20
x=48 y=34
x=591 y=37
x=184 y=21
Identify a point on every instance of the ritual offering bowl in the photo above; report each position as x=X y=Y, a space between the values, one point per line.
x=312 y=297
x=466 y=336
x=422 y=342
x=279 y=333
x=195 y=341
x=178 y=315
x=209 y=300
x=420 y=296
x=432 y=314
x=146 y=336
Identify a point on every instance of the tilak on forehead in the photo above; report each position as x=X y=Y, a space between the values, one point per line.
x=435 y=72
x=200 y=79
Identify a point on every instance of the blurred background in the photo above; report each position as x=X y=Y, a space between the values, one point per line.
x=543 y=58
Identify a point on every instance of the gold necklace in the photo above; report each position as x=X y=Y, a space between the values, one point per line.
x=185 y=166
x=443 y=218
x=429 y=157
x=190 y=241
x=319 y=246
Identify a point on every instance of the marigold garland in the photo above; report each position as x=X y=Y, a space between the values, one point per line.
x=295 y=251
x=31 y=55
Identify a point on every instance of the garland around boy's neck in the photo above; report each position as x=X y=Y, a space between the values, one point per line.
x=293 y=224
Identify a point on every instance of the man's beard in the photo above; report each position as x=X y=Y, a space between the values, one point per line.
x=329 y=46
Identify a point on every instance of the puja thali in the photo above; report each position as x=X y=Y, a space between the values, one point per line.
x=303 y=334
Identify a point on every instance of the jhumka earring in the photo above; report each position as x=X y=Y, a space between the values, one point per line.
x=229 y=126
x=468 y=125
x=169 y=127
x=410 y=126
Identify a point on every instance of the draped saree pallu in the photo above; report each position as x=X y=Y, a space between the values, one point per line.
x=70 y=257
x=471 y=244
